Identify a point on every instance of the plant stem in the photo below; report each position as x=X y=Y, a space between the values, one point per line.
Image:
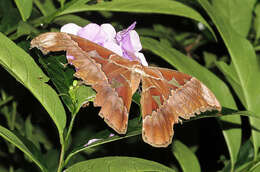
x=63 y=146
x=70 y=127
x=61 y=161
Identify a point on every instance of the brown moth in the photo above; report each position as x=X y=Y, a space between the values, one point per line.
x=166 y=94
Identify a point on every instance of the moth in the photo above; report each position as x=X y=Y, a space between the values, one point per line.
x=167 y=95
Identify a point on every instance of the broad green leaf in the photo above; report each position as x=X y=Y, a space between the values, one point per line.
x=23 y=29
x=70 y=18
x=10 y=17
x=224 y=113
x=188 y=65
x=134 y=129
x=209 y=59
x=240 y=21
x=25 y=8
x=24 y=146
x=118 y=164
x=46 y=7
x=62 y=77
x=245 y=157
x=186 y=158
x=83 y=94
x=23 y=68
x=175 y=38
x=244 y=71
x=255 y=168
x=152 y=6
x=257 y=21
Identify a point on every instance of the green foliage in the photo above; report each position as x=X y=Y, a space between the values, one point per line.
x=226 y=60
x=24 y=145
x=25 y=8
x=118 y=164
x=187 y=159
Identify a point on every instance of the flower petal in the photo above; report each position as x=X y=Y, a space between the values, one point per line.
x=70 y=28
x=100 y=37
x=89 y=32
x=121 y=34
x=113 y=47
x=128 y=56
x=132 y=42
x=109 y=30
x=142 y=59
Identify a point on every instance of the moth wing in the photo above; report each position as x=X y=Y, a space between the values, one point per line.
x=166 y=96
x=102 y=70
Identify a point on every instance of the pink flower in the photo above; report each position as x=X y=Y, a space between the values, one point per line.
x=125 y=43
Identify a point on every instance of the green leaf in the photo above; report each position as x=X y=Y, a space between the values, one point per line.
x=6 y=100
x=62 y=3
x=255 y=168
x=137 y=6
x=52 y=159
x=188 y=65
x=224 y=113
x=29 y=128
x=62 y=77
x=244 y=71
x=46 y=7
x=134 y=129
x=24 y=146
x=186 y=158
x=83 y=94
x=36 y=135
x=209 y=59
x=240 y=21
x=257 y=21
x=70 y=18
x=118 y=164
x=23 y=29
x=25 y=8
x=245 y=157
x=23 y=68
x=10 y=17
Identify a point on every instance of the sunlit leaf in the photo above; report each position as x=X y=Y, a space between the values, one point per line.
x=186 y=158
x=70 y=18
x=137 y=6
x=25 y=8
x=23 y=68
x=190 y=66
x=241 y=22
x=244 y=70
x=118 y=164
